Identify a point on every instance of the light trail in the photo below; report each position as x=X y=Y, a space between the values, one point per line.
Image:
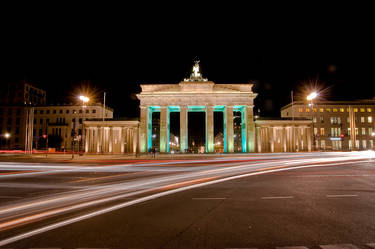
x=154 y=196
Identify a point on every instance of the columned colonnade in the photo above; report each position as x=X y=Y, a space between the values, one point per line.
x=247 y=126
x=111 y=136
x=283 y=135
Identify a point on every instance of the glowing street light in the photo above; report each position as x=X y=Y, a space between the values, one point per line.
x=7 y=135
x=312 y=96
x=84 y=99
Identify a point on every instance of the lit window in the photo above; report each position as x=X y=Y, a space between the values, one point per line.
x=356 y=131
x=338 y=120
x=349 y=131
x=370 y=130
x=314 y=119
x=321 y=119
x=364 y=144
x=300 y=110
x=347 y=109
x=362 y=119
x=348 y=119
x=315 y=131
x=321 y=109
x=322 y=131
x=334 y=109
x=369 y=119
x=369 y=110
x=362 y=109
x=328 y=109
x=307 y=109
x=314 y=109
x=355 y=109
x=363 y=131
x=341 y=109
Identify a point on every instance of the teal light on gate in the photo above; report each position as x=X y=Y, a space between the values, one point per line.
x=197 y=108
x=242 y=109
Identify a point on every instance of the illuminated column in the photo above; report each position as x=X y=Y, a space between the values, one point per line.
x=209 y=129
x=164 y=129
x=229 y=128
x=143 y=129
x=183 y=129
x=259 y=140
x=250 y=129
x=128 y=141
x=308 y=138
x=110 y=140
x=135 y=139
x=272 y=141
x=87 y=137
x=122 y=139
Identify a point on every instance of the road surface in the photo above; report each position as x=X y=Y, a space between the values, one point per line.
x=256 y=201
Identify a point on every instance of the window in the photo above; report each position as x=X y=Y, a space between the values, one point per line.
x=323 y=144
x=61 y=111
x=355 y=109
x=314 y=119
x=17 y=130
x=300 y=110
x=47 y=111
x=41 y=111
x=362 y=119
x=80 y=111
x=364 y=144
x=369 y=110
x=41 y=121
x=341 y=109
x=67 y=111
x=315 y=131
x=18 y=111
x=80 y=120
x=54 y=111
x=321 y=119
x=356 y=131
x=9 y=111
x=87 y=111
x=362 y=109
x=94 y=111
x=338 y=120
x=307 y=110
x=370 y=131
x=321 y=109
x=18 y=121
x=357 y=143
x=363 y=131
x=371 y=143
x=349 y=131
x=347 y=119
x=334 y=109
x=369 y=119
x=47 y=121
x=328 y=109
x=73 y=120
x=314 y=109
x=322 y=133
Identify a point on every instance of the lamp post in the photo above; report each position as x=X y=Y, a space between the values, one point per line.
x=310 y=98
x=84 y=100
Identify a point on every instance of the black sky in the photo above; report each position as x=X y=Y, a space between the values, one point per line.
x=116 y=50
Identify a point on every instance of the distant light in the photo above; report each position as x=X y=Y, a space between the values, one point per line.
x=312 y=96
x=154 y=135
x=373 y=134
x=7 y=135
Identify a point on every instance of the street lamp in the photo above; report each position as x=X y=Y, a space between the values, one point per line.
x=310 y=98
x=84 y=100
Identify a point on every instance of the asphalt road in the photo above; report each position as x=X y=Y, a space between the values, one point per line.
x=262 y=201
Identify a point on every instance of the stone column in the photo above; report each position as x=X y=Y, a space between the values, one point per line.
x=250 y=126
x=183 y=129
x=209 y=129
x=258 y=135
x=135 y=139
x=87 y=137
x=164 y=129
x=110 y=140
x=271 y=139
x=284 y=138
x=229 y=128
x=143 y=126
x=309 y=138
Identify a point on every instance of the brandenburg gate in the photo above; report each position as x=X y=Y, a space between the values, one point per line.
x=197 y=94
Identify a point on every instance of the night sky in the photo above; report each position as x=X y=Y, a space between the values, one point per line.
x=278 y=51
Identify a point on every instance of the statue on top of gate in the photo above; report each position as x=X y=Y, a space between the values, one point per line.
x=196 y=74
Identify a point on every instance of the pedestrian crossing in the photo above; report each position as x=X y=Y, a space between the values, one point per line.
x=332 y=246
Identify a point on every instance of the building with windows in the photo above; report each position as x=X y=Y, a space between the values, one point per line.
x=337 y=125
x=21 y=93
